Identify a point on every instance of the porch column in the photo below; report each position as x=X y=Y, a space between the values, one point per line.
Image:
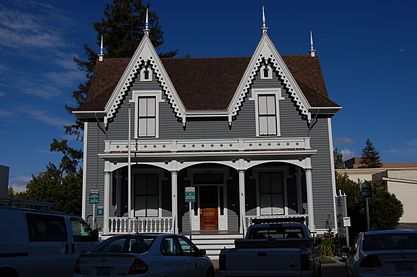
x=119 y=179
x=299 y=191
x=106 y=206
x=174 y=199
x=242 y=208
x=309 y=184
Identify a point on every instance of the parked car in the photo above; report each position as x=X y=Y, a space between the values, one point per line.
x=41 y=243
x=145 y=255
x=274 y=249
x=385 y=253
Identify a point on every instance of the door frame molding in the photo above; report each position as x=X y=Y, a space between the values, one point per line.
x=221 y=219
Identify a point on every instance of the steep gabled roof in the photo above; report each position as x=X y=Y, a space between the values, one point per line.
x=207 y=83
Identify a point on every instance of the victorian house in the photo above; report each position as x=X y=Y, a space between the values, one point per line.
x=252 y=135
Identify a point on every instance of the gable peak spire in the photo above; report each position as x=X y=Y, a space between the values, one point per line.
x=312 y=49
x=264 y=28
x=101 y=54
x=146 y=29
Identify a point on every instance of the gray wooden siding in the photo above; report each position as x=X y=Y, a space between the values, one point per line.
x=322 y=177
x=292 y=125
x=95 y=167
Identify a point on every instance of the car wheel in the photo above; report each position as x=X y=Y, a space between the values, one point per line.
x=210 y=272
x=9 y=272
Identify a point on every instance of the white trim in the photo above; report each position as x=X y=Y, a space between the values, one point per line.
x=144 y=53
x=278 y=96
x=267 y=50
x=222 y=219
x=139 y=171
x=262 y=70
x=136 y=94
x=84 y=193
x=332 y=169
x=284 y=169
x=142 y=74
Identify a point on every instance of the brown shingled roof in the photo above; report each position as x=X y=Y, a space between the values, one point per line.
x=207 y=83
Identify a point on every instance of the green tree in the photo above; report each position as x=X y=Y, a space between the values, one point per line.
x=370 y=156
x=338 y=159
x=122 y=28
x=384 y=208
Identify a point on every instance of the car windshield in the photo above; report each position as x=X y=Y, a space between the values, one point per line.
x=279 y=232
x=125 y=244
x=390 y=242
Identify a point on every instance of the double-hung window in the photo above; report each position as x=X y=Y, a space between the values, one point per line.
x=271 y=193
x=267 y=111
x=146 y=195
x=147 y=114
x=267 y=115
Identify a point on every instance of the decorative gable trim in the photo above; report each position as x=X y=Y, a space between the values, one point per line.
x=266 y=52
x=144 y=54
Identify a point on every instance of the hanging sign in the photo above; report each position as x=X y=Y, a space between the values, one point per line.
x=100 y=210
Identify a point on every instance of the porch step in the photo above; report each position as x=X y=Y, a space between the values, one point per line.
x=214 y=243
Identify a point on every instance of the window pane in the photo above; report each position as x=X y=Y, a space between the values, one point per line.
x=278 y=184
x=169 y=247
x=271 y=104
x=151 y=106
x=140 y=184
x=277 y=204
x=46 y=228
x=150 y=127
x=187 y=247
x=264 y=183
x=80 y=230
x=262 y=105
x=140 y=205
x=142 y=127
x=263 y=125
x=272 y=125
x=265 y=204
x=152 y=205
x=142 y=106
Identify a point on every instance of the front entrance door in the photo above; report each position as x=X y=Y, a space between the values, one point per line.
x=208 y=208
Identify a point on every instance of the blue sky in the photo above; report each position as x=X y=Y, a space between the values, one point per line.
x=367 y=49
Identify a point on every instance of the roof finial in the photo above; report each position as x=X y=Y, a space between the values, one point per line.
x=264 y=28
x=312 y=50
x=146 y=30
x=101 y=55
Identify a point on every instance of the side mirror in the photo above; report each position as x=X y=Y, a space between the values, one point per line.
x=317 y=241
x=94 y=235
x=202 y=252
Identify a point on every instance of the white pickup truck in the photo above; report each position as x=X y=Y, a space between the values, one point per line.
x=274 y=249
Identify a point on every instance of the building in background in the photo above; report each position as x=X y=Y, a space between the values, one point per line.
x=399 y=179
x=4 y=181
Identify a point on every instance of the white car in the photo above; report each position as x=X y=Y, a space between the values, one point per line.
x=385 y=253
x=145 y=255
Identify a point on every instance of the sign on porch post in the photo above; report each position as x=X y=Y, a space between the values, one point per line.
x=190 y=198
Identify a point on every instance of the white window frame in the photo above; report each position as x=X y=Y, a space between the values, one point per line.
x=142 y=74
x=263 y=72
x=277 y=92
x=269 y=169
x=158 y=99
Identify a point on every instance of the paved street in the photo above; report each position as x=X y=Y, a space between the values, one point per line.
x=328 y=270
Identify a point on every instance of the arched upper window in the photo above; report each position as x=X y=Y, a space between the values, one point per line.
x=266 y=72
x=146 y=74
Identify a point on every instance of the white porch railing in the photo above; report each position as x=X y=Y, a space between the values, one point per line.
x=207 y=145
x=125 y=225
x=249 y=219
